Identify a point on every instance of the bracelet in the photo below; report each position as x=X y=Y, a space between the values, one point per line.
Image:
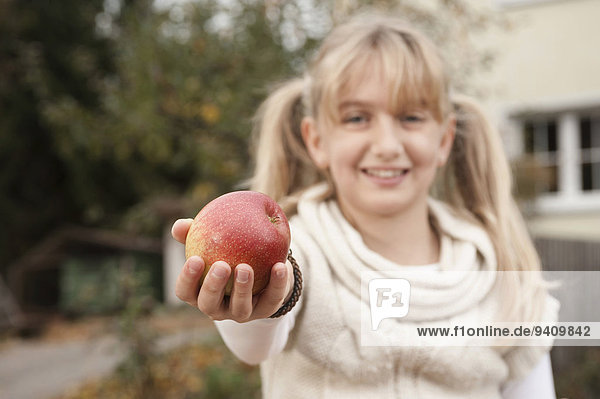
x=291 y=302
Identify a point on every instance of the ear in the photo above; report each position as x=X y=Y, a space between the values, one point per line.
x=314 y=142
x=447 y=140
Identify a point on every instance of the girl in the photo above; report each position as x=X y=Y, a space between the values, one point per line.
x=352 y=150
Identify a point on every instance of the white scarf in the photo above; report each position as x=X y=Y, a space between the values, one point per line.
x=464 y=248
x=333 y=255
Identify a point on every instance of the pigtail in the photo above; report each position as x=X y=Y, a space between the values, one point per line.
x=479 y=181
x=282 y=165
x=478 y=184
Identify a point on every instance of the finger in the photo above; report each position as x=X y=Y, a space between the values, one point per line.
x=180 y=229
x=277 y=289
x=210 y=300
x=187 y=285
x=240 y=304
x=290 y=280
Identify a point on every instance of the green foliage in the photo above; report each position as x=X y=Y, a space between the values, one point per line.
x=100 y=284
x=87 y=289
x=175 y=118
x=137 y=338
x=48 y=50
x=117 y=114
x=107 y=112
x=230 y=381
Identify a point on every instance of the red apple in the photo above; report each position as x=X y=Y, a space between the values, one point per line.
x=241 y=227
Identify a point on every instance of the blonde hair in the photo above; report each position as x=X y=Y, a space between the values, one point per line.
x=477 y=180
x=409 y=62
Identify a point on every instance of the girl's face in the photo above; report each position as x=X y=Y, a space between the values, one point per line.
x=382 y=161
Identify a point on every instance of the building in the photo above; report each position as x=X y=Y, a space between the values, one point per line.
x=547 y=103
x=547 y=99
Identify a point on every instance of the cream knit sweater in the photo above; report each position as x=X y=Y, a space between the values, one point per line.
x=324 y=358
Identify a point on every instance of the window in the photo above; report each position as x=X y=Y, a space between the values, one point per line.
x=557 y=157
x=540 y=143
x=589 y=131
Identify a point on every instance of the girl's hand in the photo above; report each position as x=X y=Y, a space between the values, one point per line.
x=241 y=306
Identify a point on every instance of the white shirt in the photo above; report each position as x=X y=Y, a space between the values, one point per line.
x=257 y=340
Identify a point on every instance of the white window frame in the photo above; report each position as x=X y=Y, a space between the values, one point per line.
x=592 y=154
x=570 y=196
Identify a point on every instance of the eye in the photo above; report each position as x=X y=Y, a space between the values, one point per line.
x=412 y=118
x=355 y=118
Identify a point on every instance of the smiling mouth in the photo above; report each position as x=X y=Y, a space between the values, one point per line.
x=385 y=173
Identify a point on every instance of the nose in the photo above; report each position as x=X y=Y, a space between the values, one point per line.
x=387 y=140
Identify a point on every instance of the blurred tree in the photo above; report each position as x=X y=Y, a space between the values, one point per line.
x=109 y=107
x=175 y=118
x=46 y=52
x=116 y=109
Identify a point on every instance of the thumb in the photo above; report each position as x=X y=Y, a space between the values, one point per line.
x=180 y=229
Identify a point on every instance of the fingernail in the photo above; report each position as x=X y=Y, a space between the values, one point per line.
x=219 y=271
x=280 y=273
x=194 y=265
x=242 y=276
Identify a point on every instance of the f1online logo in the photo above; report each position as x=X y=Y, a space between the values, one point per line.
x=388 y=298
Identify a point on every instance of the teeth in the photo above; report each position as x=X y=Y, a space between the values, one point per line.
x=385 y=173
